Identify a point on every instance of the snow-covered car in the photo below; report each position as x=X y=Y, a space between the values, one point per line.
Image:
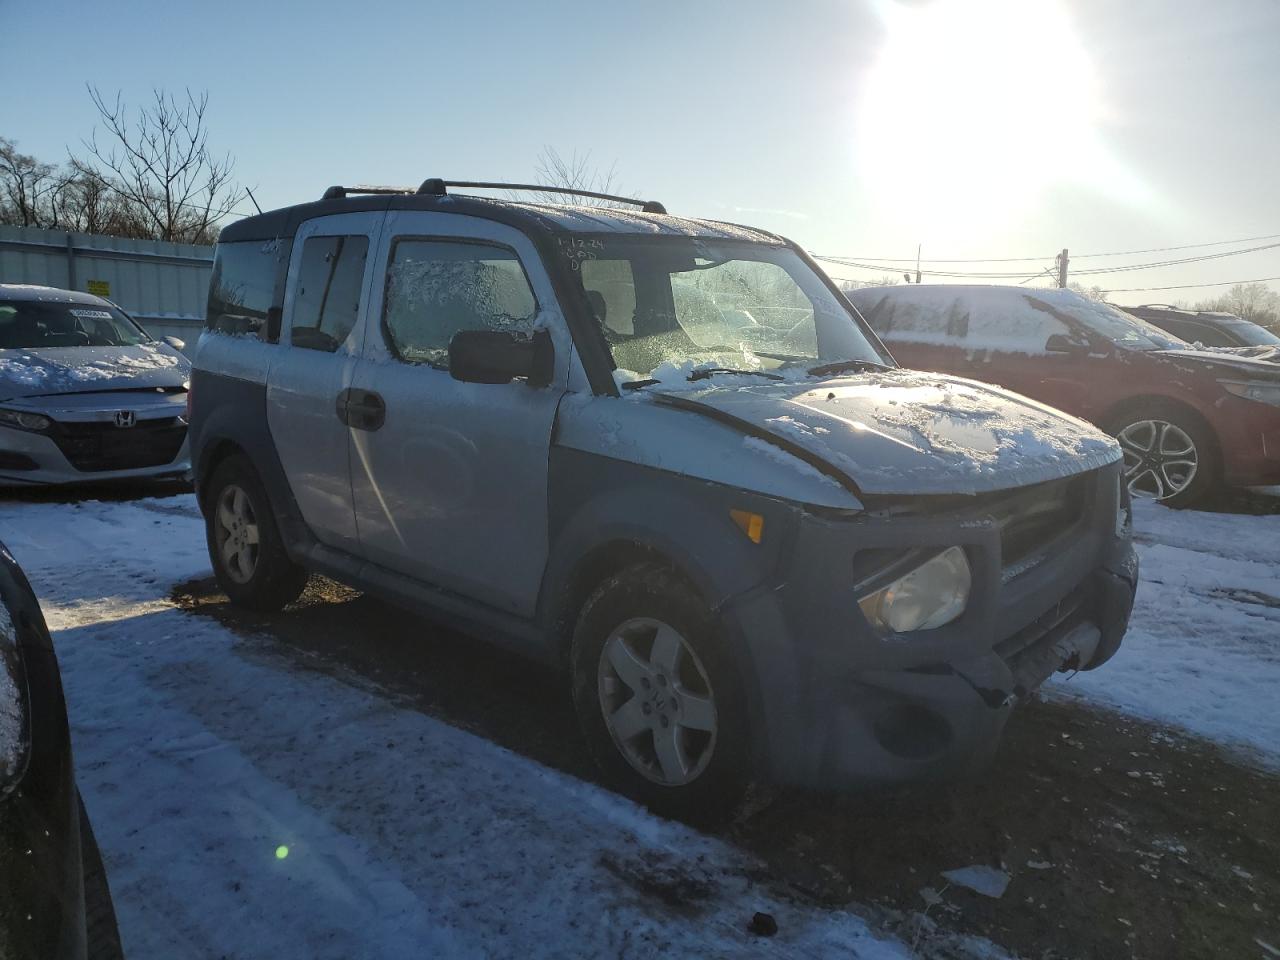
x=54 y=897
x=662 y=454
x=1188 y=418
x=85 y=393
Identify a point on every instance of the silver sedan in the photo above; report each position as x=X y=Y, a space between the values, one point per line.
x=85 y=393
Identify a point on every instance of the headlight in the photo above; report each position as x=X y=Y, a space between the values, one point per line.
x=1263 y=391
x=931 y=595
x=24 y=421
x=14 y=734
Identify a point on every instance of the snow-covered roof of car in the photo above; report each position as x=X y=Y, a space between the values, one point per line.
x=973 y=292
x=550 y=217
x=580 y=219
x=32 y=291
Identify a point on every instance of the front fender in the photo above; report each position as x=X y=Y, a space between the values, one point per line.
x=597 y=501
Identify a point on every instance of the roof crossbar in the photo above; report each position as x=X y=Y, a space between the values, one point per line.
x=338 y=192
x=438 y=188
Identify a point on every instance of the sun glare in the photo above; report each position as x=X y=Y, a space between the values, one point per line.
x=973 y=107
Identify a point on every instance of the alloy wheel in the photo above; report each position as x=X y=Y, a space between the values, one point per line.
x=237 y=533
x=1160 y=458
x=657 y=701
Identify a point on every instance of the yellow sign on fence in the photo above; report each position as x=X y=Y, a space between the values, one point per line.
x=99 y=288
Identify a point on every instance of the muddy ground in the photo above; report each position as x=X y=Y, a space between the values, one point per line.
x=1122 y=839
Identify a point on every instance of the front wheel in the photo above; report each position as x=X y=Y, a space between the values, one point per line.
x=658 y=697
x=1169 y=456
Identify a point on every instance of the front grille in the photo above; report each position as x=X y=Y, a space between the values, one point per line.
x=1032 y=519
x=1057 y=620
x=98 y=446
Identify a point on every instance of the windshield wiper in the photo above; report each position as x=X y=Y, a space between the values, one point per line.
x=844 y=366
x=704 y=373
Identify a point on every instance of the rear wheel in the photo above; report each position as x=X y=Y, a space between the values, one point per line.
x=658 y=698
x=245 y=547
x=1169 y=455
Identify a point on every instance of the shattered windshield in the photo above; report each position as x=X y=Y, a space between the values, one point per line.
x=37 y=324
x=670 y=306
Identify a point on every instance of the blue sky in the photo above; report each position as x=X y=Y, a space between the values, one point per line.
x=859 y=127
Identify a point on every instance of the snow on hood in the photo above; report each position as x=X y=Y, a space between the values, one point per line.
x=53 y=370
x=1262 y=359
x=901 y=432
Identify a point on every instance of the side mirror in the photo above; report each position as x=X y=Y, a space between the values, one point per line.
x=1061 y=343
x=175 y=343
x=491 y=356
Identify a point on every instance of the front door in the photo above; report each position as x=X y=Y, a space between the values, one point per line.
x=1008 y=343
x=328 y=285
x=450 y=486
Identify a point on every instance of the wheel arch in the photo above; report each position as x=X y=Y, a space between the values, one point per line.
x=597 y=565
x=1112 y=419
x=606 y=516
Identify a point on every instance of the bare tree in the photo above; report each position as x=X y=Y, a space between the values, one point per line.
x=1252 y=301
x=884 y=280
x=27 y=186
x=576 y=172
x=1093 y=293
x=160 y=163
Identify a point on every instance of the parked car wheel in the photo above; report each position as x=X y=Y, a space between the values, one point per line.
x=1169 y=455
x=245 y=547
x=659 y=699
x=101 y=933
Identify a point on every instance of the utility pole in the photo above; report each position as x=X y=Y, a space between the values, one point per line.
x=918 y=246
x=1062 y=268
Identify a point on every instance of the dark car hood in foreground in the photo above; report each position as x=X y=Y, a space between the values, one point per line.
x=33 y=373
x=901 y=432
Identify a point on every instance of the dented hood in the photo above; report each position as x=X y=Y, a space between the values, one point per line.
x=900 y=432
x=31 y=372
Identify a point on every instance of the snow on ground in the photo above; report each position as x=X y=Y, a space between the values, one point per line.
x=1203 y=649
x=250 y=809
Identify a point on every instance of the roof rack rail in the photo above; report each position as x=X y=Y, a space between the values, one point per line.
x=1166 y=306
x=436 y=187
x=337 y=192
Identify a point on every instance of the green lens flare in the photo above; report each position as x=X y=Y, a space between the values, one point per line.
x=281 y=852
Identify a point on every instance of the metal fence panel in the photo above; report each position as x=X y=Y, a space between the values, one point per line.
x=162 y=285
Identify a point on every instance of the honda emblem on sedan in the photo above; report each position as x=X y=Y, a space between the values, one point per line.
x=125 y=418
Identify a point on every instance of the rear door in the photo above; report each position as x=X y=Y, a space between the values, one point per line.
x=330 y=273
x=921 y=333
x=450 y=485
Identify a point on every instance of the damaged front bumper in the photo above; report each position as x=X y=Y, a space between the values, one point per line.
x=841 y=707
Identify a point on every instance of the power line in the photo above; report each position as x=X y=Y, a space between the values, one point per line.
x=1188 y=286
x=1090 y=271
x=927 y=260
x=1050 y=256
x=882 y=268
x=1188 y=246
x=1172 y=263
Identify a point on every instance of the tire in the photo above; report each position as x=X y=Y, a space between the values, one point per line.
x=647 y=653
x=102 y=936
x=254 y=571
x=1170 y=454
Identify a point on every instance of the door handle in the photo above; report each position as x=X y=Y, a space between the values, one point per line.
x=361 y=409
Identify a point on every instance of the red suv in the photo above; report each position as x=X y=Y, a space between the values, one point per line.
x=1186 y=418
